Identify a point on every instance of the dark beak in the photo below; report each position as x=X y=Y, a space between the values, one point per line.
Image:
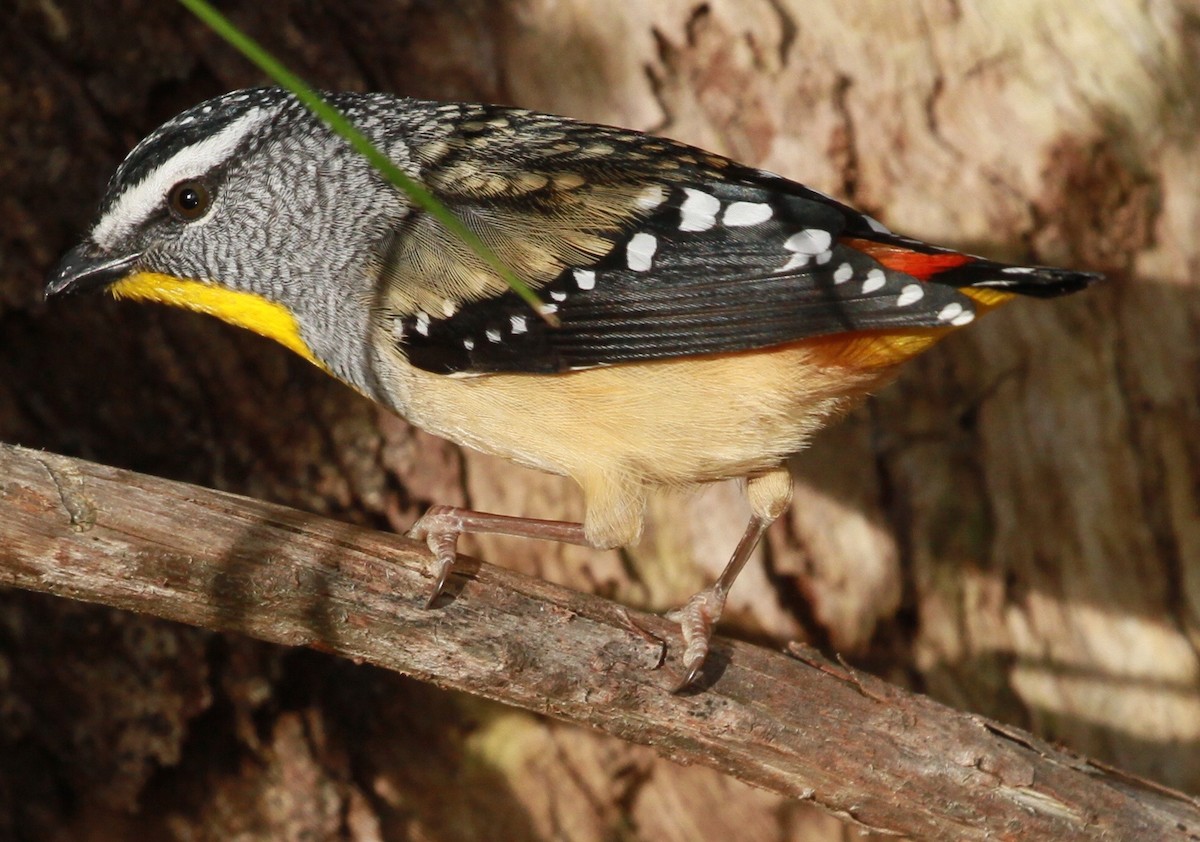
x=85 y=267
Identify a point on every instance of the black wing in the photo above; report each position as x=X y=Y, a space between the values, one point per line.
x=648 y=249
x=721 y=267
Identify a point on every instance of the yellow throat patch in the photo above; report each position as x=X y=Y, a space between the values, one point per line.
x=244 y=309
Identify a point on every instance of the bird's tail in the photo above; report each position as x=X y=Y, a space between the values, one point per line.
x=967 y=272
x=1037 y=281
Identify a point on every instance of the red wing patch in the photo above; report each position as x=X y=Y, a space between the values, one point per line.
x=920 y=265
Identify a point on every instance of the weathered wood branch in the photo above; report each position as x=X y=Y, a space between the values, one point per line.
x=800 y=725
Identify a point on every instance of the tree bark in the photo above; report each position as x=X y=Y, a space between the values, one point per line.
x=802 y=727
x=1012 y=528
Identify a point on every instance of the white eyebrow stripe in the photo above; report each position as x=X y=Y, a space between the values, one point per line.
x=140 y=200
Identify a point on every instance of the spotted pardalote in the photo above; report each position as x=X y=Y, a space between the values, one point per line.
x=708 y=316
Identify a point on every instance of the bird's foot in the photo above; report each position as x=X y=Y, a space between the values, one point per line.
x=696 y=619
x=439 y=528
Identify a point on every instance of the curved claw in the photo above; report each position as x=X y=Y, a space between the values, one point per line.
x=444 y=568
x=696 y=620
x=689 y=678
x=440 y=530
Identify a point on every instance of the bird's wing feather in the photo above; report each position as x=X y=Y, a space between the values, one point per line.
x=636 y=261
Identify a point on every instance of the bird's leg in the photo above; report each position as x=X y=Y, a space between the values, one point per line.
x=769 y=494
x=440 y=527
x=700 y=614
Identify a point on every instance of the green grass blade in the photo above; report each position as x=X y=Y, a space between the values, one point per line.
x=338 y=122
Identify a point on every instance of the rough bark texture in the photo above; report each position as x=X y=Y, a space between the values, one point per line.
x=1013 y=527
x=886 y=759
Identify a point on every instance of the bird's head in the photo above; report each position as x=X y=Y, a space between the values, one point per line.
x=248 y=208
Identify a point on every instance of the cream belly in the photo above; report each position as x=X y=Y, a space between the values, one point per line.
x=622 y=430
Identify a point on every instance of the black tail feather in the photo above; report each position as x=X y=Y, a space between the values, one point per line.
x=1036 y=281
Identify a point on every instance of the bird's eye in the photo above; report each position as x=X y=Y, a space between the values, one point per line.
x=189 y=200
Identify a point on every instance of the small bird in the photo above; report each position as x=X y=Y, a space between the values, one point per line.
x=700 y=319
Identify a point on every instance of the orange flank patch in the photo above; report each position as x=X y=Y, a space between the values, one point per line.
x=879 y=350
x=873 y=350
x=899 y=259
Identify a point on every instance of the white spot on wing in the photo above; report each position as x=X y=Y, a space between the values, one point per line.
x=1019 y=270
x=963 y=318
x=492 y=335
x=639 y=254
x=518 y=324
x=699 y=210
x=843 y=273
x=796 y=261
x=558 y=295
x=585 y=278
x=140 y=200
x=876 y=280
x=950 y=312
x=911 y=294
x=469 y=344
x=423 y=324
x=449 y=308
x=809 y=241
x=740 y=214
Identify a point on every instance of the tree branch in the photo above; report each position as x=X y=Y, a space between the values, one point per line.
x=800 y=725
